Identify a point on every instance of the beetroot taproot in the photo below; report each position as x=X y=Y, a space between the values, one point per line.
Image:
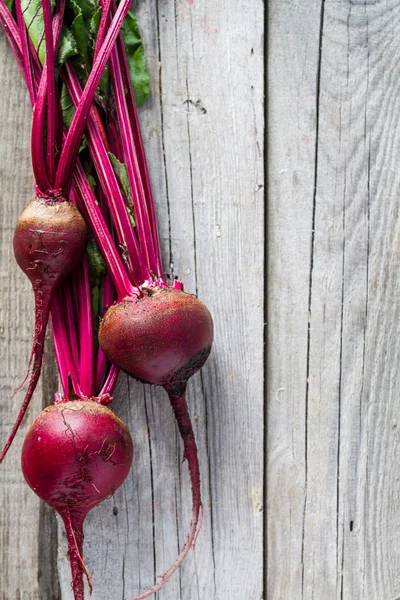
x=76 y=454
x=163 y=337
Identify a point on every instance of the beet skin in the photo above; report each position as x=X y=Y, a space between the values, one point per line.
x=163 y=337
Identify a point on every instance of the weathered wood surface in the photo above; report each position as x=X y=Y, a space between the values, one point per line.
x=334 y=312
x=203 y=129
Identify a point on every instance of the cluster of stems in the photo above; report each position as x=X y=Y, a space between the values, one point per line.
x=131 y=253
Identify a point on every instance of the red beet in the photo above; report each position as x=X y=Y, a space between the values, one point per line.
x=49 y=243
x=163 y=337
x=76 y=454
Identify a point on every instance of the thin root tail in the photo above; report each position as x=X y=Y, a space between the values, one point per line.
x=181 y=412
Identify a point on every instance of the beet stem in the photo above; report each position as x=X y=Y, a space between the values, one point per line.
x=108 y=180
x=102 y=234
x=179 y=406
x=140 y=151
x=101 y=32
x=131 y=161
x=45 y=185
x=43 y=300
x=65 y=362
x=75 y=132
x=10 y=29
x=85 y=330
x=51 y=90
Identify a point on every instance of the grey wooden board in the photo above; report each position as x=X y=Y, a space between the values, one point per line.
x=333 y=370
x=203 y=128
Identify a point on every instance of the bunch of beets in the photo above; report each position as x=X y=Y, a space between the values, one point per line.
x=89 y=244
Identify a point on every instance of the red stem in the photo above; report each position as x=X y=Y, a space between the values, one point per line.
x=99 y=228
x=110 y=381
x=108 y=181
x=38 y=123
x=10 y=29
x=44 y=184
x=86 y=346
x=106 y=5
x=70 y=323
x=108 y=298
x=62 y=344
x=140 y=151
x=135 y=181
x=60 y=357
x=69 y=151
x=51 y=91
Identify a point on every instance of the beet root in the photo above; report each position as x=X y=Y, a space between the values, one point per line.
x=76 y=454
x=162 y=338
x=50 y=240
x=181 y=412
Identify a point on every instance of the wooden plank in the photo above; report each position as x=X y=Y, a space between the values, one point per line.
x=203 y=129
x=333 y=440
x=19 y=508
x=293 y=39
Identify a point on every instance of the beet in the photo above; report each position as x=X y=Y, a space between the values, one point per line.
x=50 y=240
x=76 y=454
x=163 y=337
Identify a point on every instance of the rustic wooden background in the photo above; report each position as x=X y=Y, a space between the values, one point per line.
x=333 y=374
x=204 y=134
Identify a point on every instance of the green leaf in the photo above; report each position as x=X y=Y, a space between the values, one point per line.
x=68 y=46
x=9 y=4
x=95 y=22
x=97 y=266
x=122 y=174
x=33 y=17
x=78 y=30
x=140 y=77
x=88 y=8
x=105 y=83
x=137 y=65
x=92 y=182
x=68 y=111
x=95 y=307
x=97 y=270
x=68 y=108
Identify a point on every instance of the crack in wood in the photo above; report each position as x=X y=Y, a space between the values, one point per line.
x=318 y=93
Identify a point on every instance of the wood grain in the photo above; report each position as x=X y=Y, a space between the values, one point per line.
x=333 y=301
x=204 y=132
